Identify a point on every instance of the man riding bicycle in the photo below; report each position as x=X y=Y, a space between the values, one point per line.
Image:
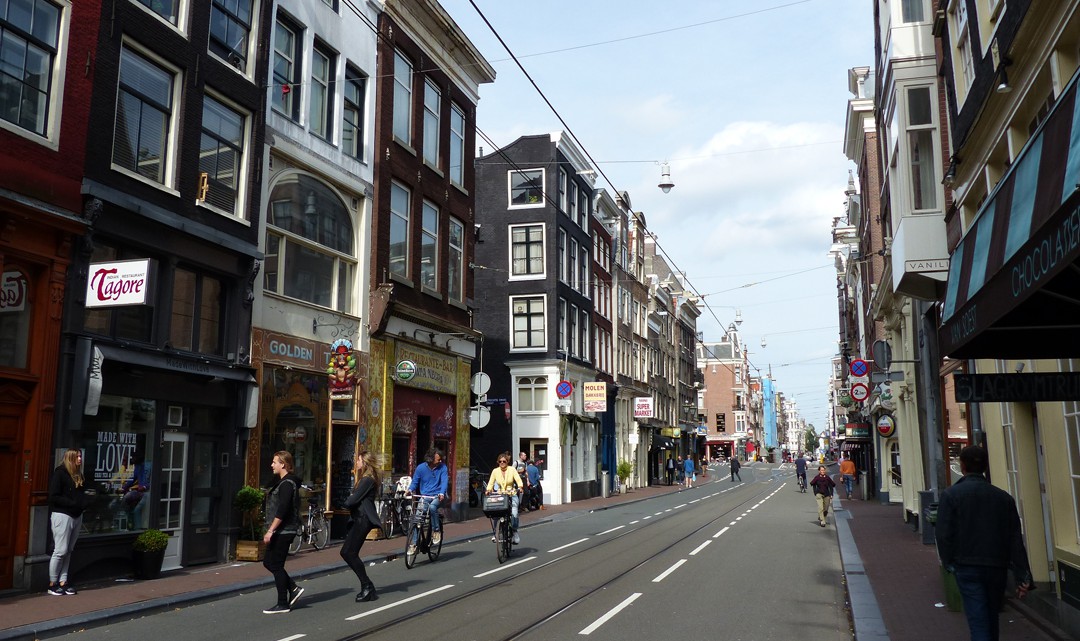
x=431 y=481
x=800 y=470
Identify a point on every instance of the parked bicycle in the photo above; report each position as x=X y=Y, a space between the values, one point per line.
x=419 y=538
x=497 y=508
x=394 y=513
x=314 y=528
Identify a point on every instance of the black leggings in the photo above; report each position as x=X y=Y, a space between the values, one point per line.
x=274 y=560
x=350 y=550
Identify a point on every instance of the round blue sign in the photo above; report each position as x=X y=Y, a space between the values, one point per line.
x=564 y=389
x=859 y=367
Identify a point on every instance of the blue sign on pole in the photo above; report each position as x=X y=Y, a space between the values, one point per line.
x=859 y=367
x=564 y=389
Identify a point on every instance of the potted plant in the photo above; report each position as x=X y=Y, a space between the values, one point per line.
x=148 y=553
x=623 y=470
x=249 y=544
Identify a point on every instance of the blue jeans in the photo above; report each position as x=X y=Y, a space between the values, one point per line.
x=848 y=479
x=983 y=591
x=433 y=510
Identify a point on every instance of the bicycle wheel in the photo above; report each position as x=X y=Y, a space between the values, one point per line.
x=412 y=545
x=433 y=547
x=297 y=541
x=502 y=550
x=320 y=533
x=508 y=539
x=386 y=519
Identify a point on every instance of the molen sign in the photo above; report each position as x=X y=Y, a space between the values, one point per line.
x=125 y=282
x=595 y=396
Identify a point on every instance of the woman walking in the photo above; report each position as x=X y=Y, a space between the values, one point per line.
x=363 y=517
x=68 y=497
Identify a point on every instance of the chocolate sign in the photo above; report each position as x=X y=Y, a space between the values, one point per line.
x=13 y=287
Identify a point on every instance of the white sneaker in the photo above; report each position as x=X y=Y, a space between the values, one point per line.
x=517 y=539
x=412 y=550
x=436 y=537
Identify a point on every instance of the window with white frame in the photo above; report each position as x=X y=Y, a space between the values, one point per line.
x=527 y=250
x=962 y=43
x=402 y=114
x=572 y=336
x=222 y=155
x=432 y=109
x=583 y=271
x=921 y=157
x=455 y=270
x=585 y=324
x=571 y=201
x=560 y=331
x=321 y=97
x=583 y=209
x=457 y=145
x=532 y=394
x=352 y=126
x=285 y=96
x=912 y=11
x=528 y=327
x=562 y=190
x=429 y=246
x=526 y=188
x=166 y=9
x=561 y=257
x=230 y=30
x=144 y=116
x=30 y=30
x=310 y=254
x=399 y=229
x=571 y=264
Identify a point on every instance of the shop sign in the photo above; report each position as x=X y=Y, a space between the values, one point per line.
x=886 y=425
x=296 y=434
x=643 y=407
x=113 y=454
x=289 y=350
x=12 y=292
x=342 y=370
x=857 y=430
x=595 y=396
x=124 y=282
x=428 y=370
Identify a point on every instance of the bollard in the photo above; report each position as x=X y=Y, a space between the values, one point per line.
x=605 y=486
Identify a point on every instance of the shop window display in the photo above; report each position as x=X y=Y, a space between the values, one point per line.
x=294 y=420
x=119 y=464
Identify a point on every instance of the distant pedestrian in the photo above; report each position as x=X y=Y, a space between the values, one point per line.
x=688 y=472
x=282 y=519
x=847 y=474
x=735 y=465
x=979 y=540
x=363 y=517
x=669 y=467
x=823 y=490
x=679 y=470
x=68 y=497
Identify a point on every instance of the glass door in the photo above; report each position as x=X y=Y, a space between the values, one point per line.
x=171 y=480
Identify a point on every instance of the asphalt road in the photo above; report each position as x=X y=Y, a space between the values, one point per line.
x=745 y=558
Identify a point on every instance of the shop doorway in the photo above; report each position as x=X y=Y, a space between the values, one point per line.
x=171 y=478
x=200 y=534
x=423 y=437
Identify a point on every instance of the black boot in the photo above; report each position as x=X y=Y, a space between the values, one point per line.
x=367 y=593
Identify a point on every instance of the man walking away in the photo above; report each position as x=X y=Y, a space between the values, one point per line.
x=735 y=465
x=688 y=472
x=847 y=474
x=669 y=466
x=979 y=540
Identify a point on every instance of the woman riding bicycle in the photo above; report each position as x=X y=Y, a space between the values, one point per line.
x=363 y=517
x=509 y=482
x=432 y=482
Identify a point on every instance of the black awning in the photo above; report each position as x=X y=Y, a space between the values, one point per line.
x=662 y=443
x=179 y=364
x=1013 y=280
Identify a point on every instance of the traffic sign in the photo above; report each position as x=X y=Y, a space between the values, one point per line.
x=860 y=392
x=859 y=367
x=564 y=389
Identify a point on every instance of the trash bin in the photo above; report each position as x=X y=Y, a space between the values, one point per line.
x=928 y=516
x=953 y=601
x=605 y=486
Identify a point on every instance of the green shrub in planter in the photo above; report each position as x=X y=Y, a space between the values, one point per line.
x=151 y=541
x=623 y=470
x=249 y=501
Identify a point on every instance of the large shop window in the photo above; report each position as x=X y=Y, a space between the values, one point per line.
x=295 y=413
x=15 y=315
x=118 y=461
x=309 y=244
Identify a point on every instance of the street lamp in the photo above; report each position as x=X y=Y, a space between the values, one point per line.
x=665 y=178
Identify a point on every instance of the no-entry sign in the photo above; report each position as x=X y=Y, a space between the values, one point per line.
x=859 y=392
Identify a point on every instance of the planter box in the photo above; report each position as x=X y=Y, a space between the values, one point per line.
x=147 y=565
x=250 y=550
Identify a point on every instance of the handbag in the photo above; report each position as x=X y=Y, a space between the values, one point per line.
x=496 y=503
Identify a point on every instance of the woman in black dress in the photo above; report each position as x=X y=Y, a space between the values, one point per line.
x=363 y=517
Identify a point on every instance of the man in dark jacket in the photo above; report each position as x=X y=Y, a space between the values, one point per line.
x=282 y=520
x=823 y=490
x=735 y=465
x=979 y=540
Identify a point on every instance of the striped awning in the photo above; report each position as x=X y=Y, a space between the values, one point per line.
x=1014 y=286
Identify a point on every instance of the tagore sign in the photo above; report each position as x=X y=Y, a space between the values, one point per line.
x=119 y=283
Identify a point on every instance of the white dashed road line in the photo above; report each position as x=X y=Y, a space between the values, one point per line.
x=563 y=547
x=610 y=613
x=663 y=575
x=503 y=567
x=397 y=603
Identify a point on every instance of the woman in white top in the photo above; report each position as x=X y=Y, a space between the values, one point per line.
x=509 y=482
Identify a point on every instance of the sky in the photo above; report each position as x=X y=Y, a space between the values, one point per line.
x=745 y=101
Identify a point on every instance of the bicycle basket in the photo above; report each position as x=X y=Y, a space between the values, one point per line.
x=496 y=504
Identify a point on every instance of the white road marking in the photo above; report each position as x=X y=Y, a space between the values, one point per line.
x=718 y=534
x=645 y=518
x=293 y=637
x=397 y=603
x=678 y=506
x=700 y=547
x=694 y=501
x=563 y=547
x=610 y=613
x=633 y=522
x=503 y=567
x=663 y=575
x=612 y=530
